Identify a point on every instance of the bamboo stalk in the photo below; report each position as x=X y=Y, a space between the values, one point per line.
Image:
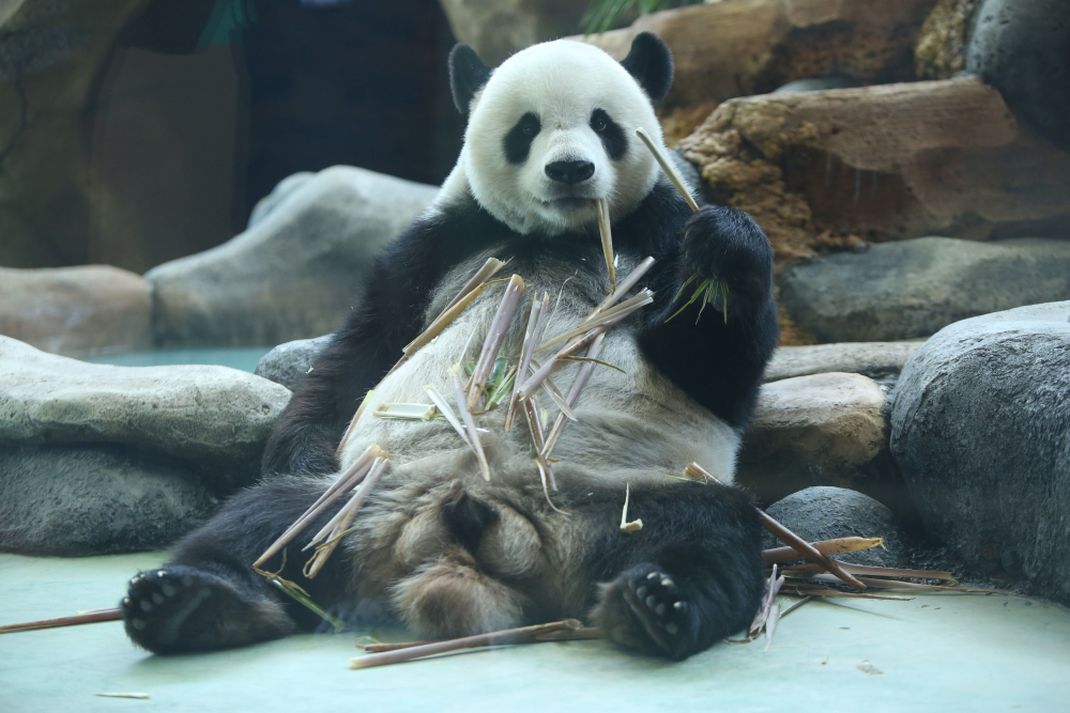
x=469 y=423
x=583 y=375
x=629 y=526
x=89 y=617
x=351 y=477
x=583 y=633
x=804 y=548
x=338 y=524
x=520 y=635
x=489 y=269
x=532 y=335
x=668 y=168
x=835 y=546
x=446 y=410
x=606 y=317
x=496 y=334
x=605 y=232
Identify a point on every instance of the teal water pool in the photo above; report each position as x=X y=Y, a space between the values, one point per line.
x=244 y=358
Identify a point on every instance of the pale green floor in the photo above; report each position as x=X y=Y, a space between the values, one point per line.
x=939 y=653
x=244 y=358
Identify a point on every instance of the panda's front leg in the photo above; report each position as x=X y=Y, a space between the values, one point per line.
x=716 y=352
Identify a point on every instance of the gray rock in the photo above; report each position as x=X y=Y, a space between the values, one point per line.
x=295 y=271
x=1020 y=47
x=822 y=429
x=824 y=513
x=87 y=500
x=981 y=433
x=498 y=28
x=912 y=288
x=876 y=360
x=205 y=414
x=272 y=200
x=818 y=84
x=91 y=309
x=288 y=363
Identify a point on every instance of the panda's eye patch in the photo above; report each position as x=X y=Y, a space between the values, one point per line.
x=518 y=140
x=613 y=139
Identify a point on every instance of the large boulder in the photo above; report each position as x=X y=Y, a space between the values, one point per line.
x=822 y=429
x=295 y=271
x=208 y=415
x=981 y=433
x=910 y=289
x=824 y=513
x=84 y=500
x=77 y=311
x=1023 y=49
x=836 y=168
x=288 y=363
x=498 y=28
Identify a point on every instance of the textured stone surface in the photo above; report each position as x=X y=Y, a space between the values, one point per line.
x=83 y=500
x=1023 y=49
x=292 y=274
x=913 y=288
x=823 y=513
x=730 y=49
x=823 y=429
x=832 y=169
x=876 y=360
x=77 y=310
x=288 y=363
x=206 y=414
x=941 y=48
x=981 y=433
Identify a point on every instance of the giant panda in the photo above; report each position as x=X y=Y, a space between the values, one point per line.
x=438 y=547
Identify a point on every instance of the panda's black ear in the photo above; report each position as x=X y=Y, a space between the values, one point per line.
x=467 y=75
x=650 y=62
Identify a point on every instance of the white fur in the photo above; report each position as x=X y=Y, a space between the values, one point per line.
x=562 y=82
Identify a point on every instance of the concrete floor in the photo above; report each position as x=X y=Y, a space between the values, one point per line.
x=940 y=653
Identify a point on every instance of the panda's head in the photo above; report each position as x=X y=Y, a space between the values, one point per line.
x=552 y=130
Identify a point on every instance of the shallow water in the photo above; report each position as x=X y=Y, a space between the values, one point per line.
x=244 y=358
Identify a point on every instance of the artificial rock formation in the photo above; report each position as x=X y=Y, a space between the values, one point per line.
x=77 y=311
x=832 y=169
x=734 y=48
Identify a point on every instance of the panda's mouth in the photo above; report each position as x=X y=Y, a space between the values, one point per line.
x=568 y=203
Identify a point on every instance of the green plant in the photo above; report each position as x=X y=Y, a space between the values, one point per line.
x=603 y=14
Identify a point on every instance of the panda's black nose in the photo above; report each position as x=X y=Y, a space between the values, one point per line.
x=570 y=172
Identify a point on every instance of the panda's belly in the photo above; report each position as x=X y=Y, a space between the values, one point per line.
x=633 y=425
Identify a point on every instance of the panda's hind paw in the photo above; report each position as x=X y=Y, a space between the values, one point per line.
x=646 y=610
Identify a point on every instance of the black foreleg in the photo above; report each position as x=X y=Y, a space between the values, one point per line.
x=690 y=577
x=208 y=596
x=717 y=361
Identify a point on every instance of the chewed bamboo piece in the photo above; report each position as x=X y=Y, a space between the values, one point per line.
x=326 y=540
x=605 y=232
x=629 y=526
x=496 y=334
x=804 y=548
x=446 y=410
x=521 y=635
x=668 y=168
x=406 y=411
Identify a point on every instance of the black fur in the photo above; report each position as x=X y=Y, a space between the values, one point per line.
x=517 y=142
x=612 y=135
x=468 y=74
x=650 y=62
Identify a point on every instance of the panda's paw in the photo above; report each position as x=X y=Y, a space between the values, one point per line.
x=645 y=609
x=171 y=609
x=725 y=243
